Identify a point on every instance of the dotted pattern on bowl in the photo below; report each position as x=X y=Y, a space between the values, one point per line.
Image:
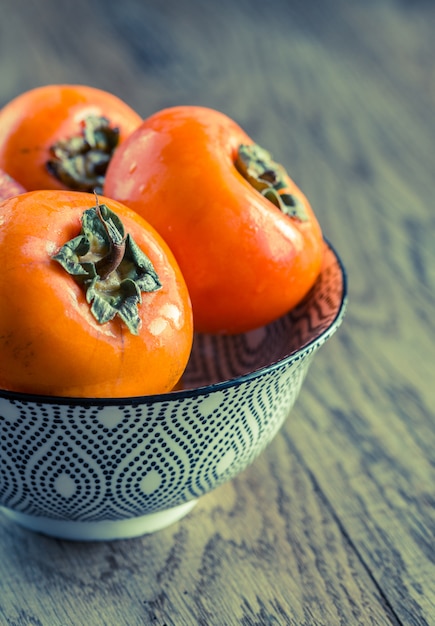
x=97 y=460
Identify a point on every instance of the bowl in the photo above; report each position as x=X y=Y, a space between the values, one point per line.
x=104 y=469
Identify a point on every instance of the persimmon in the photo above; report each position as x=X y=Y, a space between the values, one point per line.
x=63 y=136
x=8 y=186
x=245 y=236
x=92 y=301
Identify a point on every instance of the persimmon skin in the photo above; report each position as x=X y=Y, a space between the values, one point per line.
x=36 y=119
x=9 y=187
x=245 y=262
x=50 y=343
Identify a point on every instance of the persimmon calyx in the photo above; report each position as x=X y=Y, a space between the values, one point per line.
x=109 y=266
x=270 y=178
x=80 y=162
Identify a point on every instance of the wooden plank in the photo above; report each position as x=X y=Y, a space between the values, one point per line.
x=372 y=457
x=365 y=427
x=263 y=549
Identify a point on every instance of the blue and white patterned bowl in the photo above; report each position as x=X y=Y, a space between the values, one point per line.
x=100 y=469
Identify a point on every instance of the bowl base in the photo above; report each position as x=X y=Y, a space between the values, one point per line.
x=106 y=530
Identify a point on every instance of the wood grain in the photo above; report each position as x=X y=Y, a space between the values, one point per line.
x=270 y=524
x=334 y=523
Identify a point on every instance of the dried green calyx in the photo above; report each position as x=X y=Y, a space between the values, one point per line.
x=270 y=178
x=80 y=162
x=109 y=266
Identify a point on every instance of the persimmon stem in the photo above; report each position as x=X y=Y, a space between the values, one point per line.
x=110 y=267
x=80 y=162
x=111 y=261
x=269 y=178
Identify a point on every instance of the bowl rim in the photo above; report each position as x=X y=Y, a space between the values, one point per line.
x=171 y=396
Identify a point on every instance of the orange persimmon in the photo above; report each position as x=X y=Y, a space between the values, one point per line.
x=92 y=301
x=245 y=236
x=63 y=136
x=8 y=186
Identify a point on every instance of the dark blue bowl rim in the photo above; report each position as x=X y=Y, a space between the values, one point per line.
x=197 y=391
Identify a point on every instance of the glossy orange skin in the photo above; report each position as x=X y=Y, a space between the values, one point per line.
x=36 y=119
x=49 y=341
x=245 y=262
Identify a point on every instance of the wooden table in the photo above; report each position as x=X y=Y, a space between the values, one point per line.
x=333 y=523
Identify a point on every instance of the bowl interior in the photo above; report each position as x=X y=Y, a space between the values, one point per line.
x=218 y=358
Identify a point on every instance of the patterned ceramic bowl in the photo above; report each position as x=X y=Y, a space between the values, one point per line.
x=97 y=469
